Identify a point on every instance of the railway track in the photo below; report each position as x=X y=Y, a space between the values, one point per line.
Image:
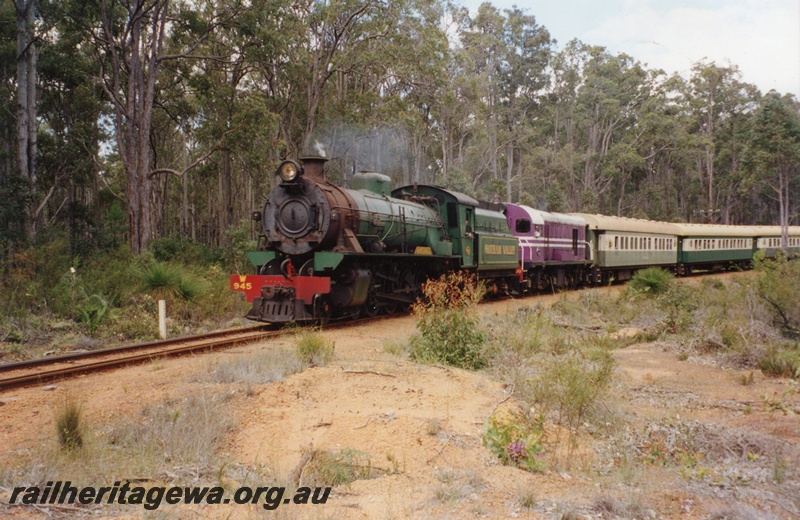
x=43 y=370
x=52 y=368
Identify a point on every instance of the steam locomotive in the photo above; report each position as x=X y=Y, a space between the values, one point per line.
x=330 y=252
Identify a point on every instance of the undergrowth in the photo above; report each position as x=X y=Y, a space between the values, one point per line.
x=53 y=298
x=448 y=325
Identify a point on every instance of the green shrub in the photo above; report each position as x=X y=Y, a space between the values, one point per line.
x=93 y=312
x=162 y=280
x=781 y=361
x=652 y=280
x=571 y=384
x=182 y=251
x=515 y=440
x=779 y=286
x=448 y=324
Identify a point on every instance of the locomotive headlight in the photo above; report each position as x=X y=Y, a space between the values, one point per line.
x=289 y=171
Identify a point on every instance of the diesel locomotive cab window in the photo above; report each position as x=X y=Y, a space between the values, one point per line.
x=575 y=241
x=523 y=225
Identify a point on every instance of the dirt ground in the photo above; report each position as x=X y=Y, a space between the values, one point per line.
x=422 y=426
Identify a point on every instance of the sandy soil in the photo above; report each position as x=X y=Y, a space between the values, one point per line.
x=423 y=424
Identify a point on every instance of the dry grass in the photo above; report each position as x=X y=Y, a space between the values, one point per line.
x=182 y=432
x=263 y=367
x=325 y=468
x=456 y=486
x=173 y=441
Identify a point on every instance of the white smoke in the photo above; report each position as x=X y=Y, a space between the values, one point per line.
x=320 y=149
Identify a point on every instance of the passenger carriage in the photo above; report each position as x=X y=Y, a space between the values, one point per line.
x=769 y=240
x=714 y=247
x=620 y=245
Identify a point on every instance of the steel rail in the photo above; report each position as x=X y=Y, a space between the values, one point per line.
x=40 y=376
x=50 y=360
x=156 y=350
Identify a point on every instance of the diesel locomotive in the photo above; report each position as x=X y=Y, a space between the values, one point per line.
x=331 y=252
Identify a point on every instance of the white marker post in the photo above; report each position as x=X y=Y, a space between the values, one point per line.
x=162 y=318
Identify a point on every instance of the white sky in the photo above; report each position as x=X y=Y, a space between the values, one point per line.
x=762 y=37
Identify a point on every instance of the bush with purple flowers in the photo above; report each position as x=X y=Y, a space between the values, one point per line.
x=516 y=439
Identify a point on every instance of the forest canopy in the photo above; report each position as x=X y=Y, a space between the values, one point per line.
x=124 y=121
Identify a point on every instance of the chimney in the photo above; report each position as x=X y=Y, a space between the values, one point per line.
x=314 y=168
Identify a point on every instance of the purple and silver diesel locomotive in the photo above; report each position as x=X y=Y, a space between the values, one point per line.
x=552 y=246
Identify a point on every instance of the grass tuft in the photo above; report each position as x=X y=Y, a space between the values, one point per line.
x=313 y=349
x=325 y=468
x=69 y=424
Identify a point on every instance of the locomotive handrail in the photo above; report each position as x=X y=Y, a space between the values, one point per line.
x=589 y=248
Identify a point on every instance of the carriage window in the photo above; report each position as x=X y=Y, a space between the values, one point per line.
x=523 y=225
x=616 y=242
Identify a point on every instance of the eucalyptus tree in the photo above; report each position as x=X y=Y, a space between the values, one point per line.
x=71 y=106
x=720 y=103
x=21 y=87
x=338 y=32
x=13 y=186
x=659 y=187
x=129 y=40
x=219 y=115
x=523 y=82
x=773 y=152
x=608 y=96
x=556 y=153
x=26 y=113
x=484 y=50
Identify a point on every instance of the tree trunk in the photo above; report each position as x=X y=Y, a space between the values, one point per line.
x=226 y=205
x=133 y=60
x=27 y=127
x=509 y=169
